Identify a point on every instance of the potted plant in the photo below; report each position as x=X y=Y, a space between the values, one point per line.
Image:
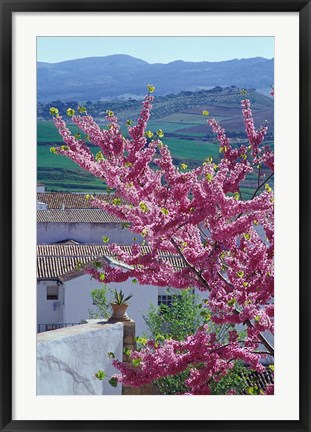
x=119 y=307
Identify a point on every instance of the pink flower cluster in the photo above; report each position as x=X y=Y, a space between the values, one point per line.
x=207 y=359
x=225 y=243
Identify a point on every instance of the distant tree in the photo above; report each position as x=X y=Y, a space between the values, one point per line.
x=101 y=301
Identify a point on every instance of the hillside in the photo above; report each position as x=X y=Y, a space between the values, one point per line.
x=123 y=76
x=187 y=133
x=184 y=109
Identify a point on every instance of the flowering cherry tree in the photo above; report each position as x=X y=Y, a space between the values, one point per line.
x=225 y=242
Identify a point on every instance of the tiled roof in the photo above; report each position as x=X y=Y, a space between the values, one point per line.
x=68 y=241
x=260 y=380
x=59 y=261
x=59 y=200
x=77 y=216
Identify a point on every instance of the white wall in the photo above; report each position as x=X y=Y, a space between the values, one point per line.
x=40 y=188
x=41 y=206
x=68 y=359
x=75 y=301
x=49 y=311
x=78 y=300
x=48 y=232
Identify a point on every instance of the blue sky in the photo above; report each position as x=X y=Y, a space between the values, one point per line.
x=155 y=49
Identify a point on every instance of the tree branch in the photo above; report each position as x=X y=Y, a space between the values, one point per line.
x=261 y=185
x=191 y=267
x=263 y=340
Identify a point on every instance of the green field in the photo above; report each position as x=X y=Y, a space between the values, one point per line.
x=60 y=173
x=47 y=132
x=186 y=133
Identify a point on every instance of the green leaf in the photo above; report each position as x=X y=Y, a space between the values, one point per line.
x=253 y=390
x=70 y=112
x=116 y=201
x=113 y=382
x=106 y=239
x=100 y=375
x=79 y=266
x=209 y=177
x=136 y=362
x=160 y=133
x=143 y=206
x=231 y=302
x=141 y=340
x=128 y=298
x=150 y=88
x=208 y=160
x=99 y=156
x=127 y=351
x=54 y=111
x=111 y=355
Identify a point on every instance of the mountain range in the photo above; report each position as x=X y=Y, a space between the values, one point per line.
x=122 y=76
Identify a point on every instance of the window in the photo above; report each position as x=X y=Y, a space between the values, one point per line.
x=164 y=300
x=52 y=292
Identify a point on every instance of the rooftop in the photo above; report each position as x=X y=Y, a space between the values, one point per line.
x=89 y=215
x=67 y=200
x=59 y=261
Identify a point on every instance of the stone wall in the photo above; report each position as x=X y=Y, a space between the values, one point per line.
x=129 y=342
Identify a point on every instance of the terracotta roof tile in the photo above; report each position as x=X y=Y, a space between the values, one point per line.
x=60 y=260
x=260 y=380
x=59 y=200
x=76 y=216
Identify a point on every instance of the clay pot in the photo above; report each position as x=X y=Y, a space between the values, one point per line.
x=119 y=312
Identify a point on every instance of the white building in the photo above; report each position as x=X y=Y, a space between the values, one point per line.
x=62 y=216
x=70 y=231
x=63 y=292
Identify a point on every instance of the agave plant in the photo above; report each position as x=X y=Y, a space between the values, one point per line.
x=119 y=297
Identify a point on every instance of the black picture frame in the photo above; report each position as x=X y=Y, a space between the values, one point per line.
x=8 y=7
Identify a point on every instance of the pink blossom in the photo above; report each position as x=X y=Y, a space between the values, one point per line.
x=224 y=243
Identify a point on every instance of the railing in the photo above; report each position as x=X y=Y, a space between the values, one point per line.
x=47 y=327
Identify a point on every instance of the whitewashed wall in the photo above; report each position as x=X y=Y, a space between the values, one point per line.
x=76 y=301
x=48 y=232
x=49 y=311
x=64 y=363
